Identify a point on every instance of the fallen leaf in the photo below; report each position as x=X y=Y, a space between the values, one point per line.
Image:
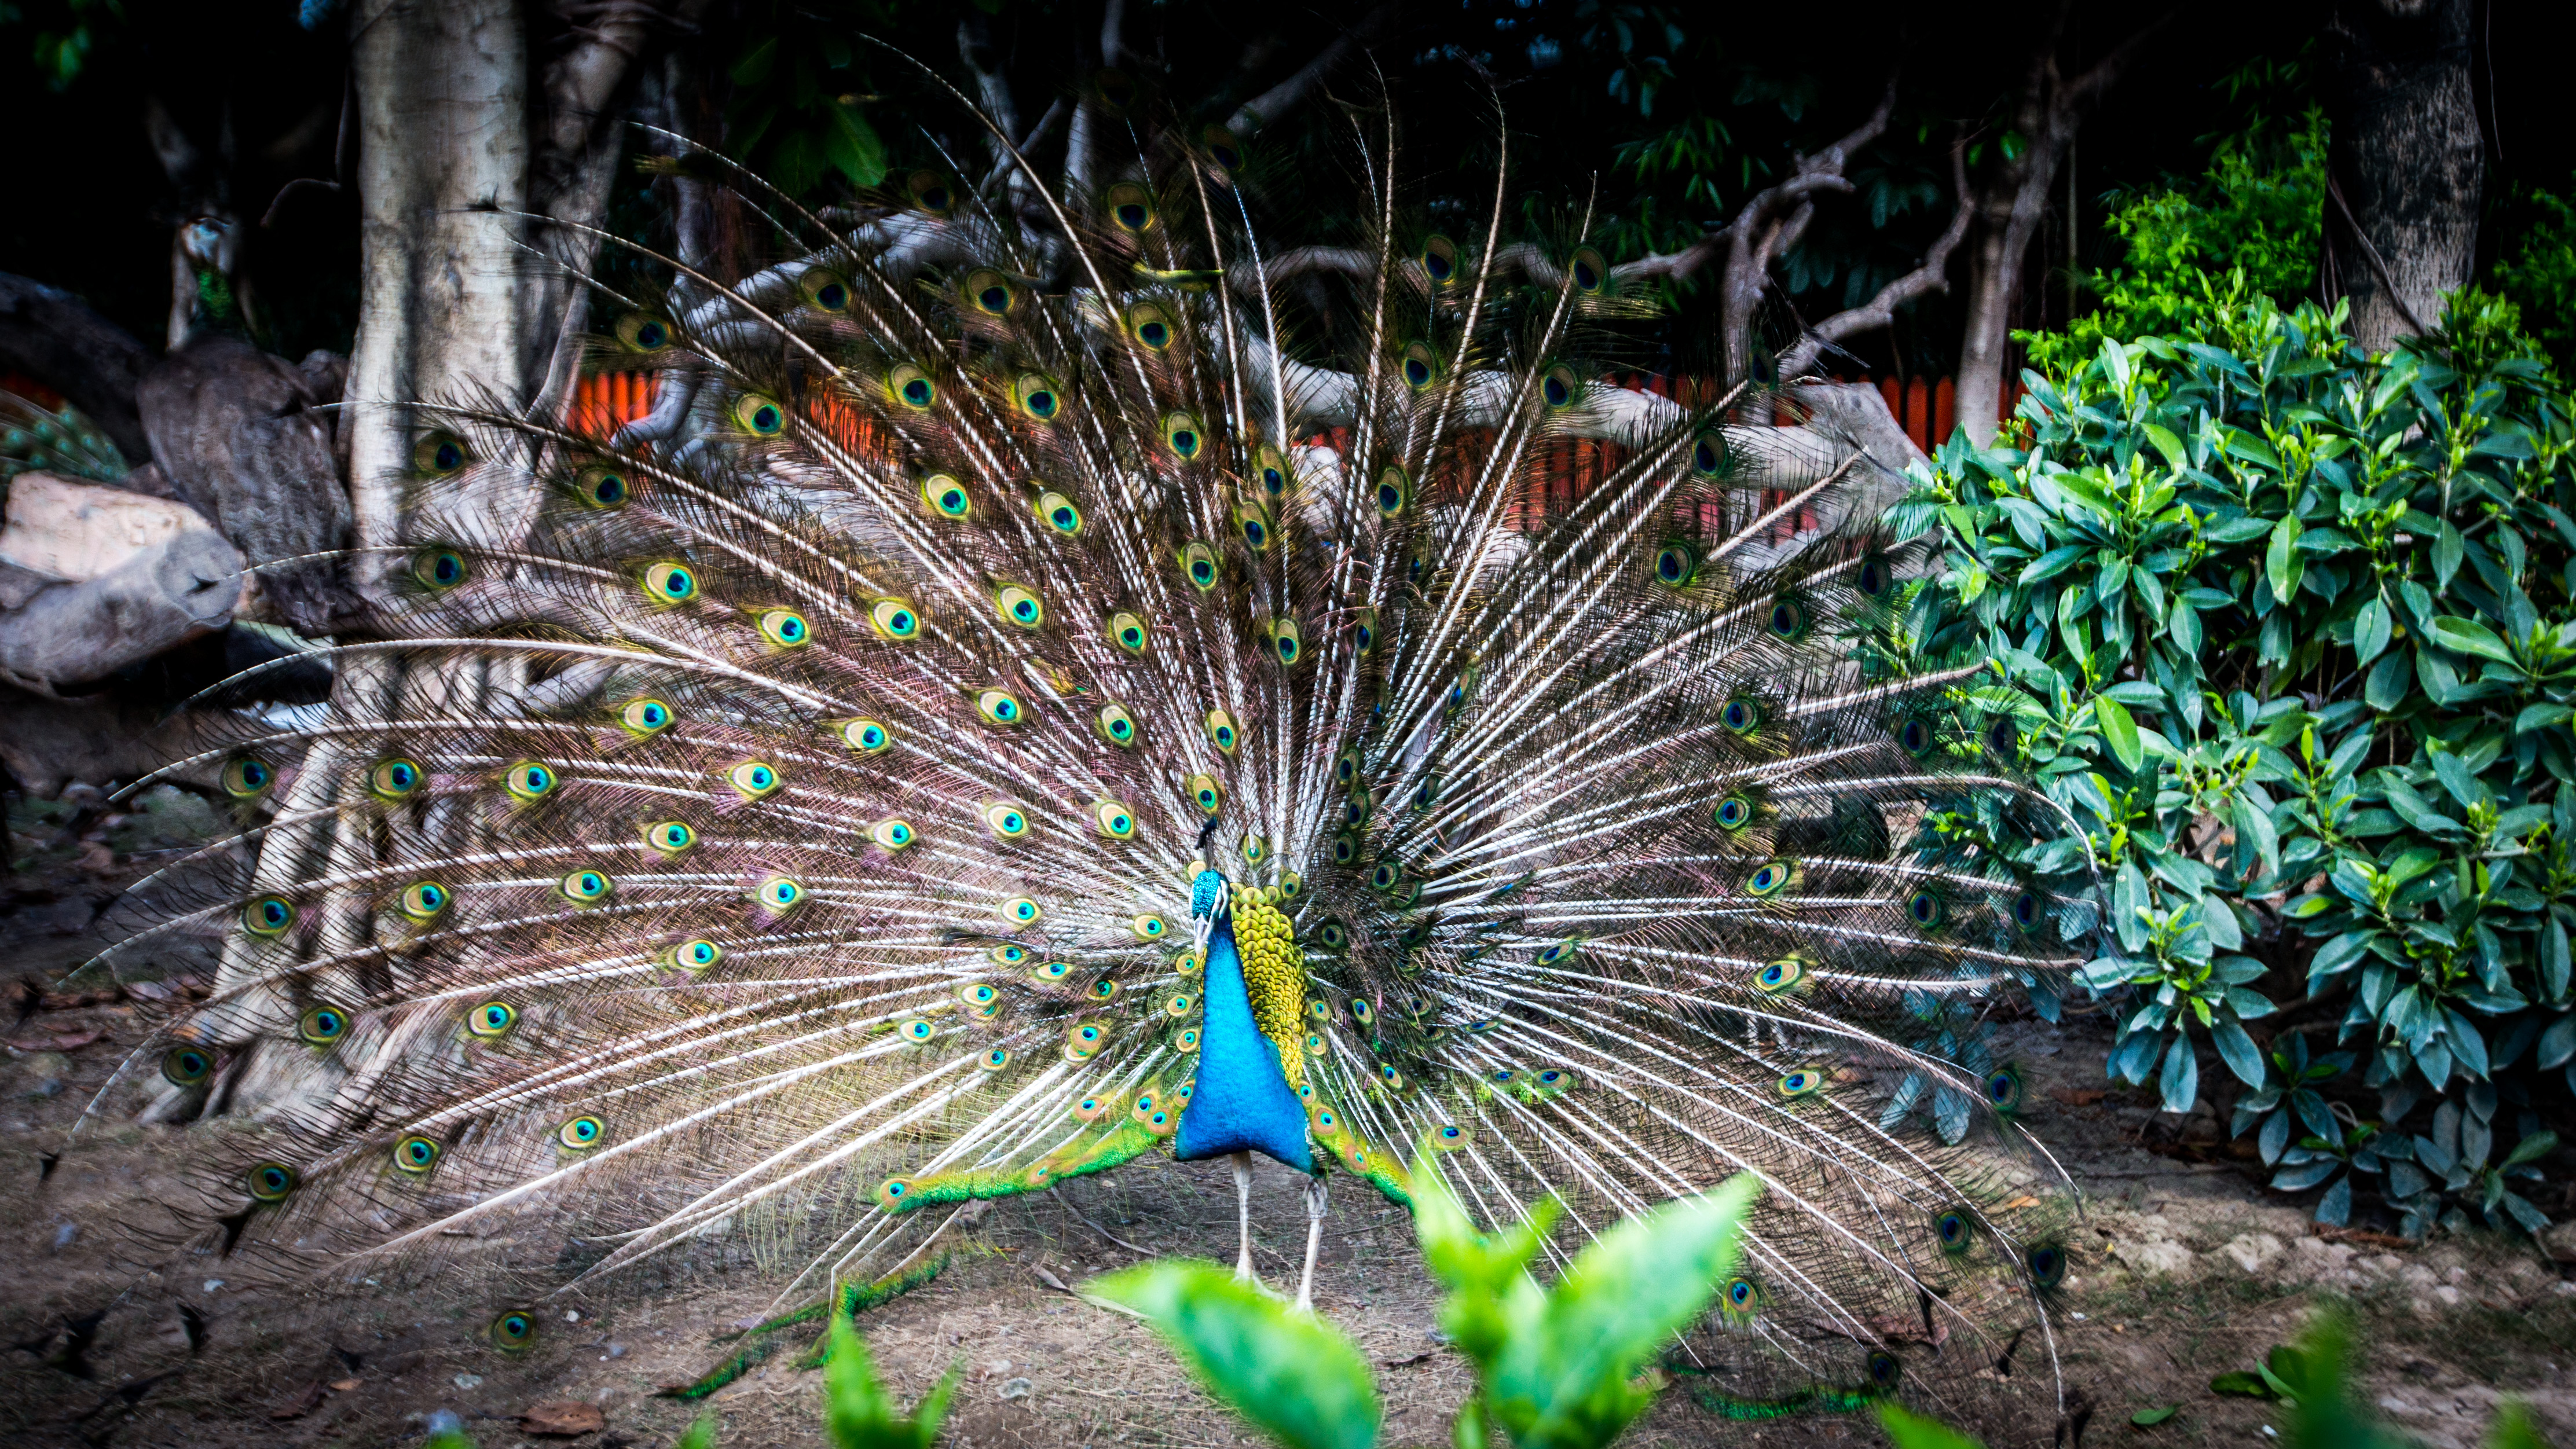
x=563 y=1419
x=2147 y=1417
x=2078 y=1096
x=342 y=1386
x=1039 y=1272
x=2241 y=1385
x=300 y=1403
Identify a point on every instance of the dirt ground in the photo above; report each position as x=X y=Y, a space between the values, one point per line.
x=2184 y=1267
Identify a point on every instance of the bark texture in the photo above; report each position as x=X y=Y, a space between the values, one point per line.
x=2407 y=161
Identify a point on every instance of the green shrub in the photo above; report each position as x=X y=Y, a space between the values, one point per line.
x=2287 y=629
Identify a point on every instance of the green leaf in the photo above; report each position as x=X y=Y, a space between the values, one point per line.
x=2514 y=1429
x=2238 y=1384
x=2448 y=550
x=2149 y=1418
x=754 y=67
x=701 y=1435
x=2170 y=445
x=2468 y=636
x=2120 y=732
x=1294 y=1376
x=2281 y=563
x=856 y=1412
x=2370 y=631
x=853 y=146
x=1913 y=1431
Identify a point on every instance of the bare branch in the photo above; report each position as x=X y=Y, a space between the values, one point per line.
x=1113 y=34
x=992 y=87
x=1878 y=311
x=1037 y=133
x=1773 y=219
x=1282 y=98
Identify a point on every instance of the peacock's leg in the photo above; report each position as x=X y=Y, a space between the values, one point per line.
x=1243 y=1271
x=1315 y=1206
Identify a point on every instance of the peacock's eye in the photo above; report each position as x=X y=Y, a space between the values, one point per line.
x=892 y=834
x=759 y=416
x=1361 y=1011
x=1872 y=579
x=1734 y=813
x=917 y=1030
x=1114 y=820
x=1291 y=885
x=1781 y=975
x=1019 y=606
x=946 y=496
x=513 y=1331
x=1769 y=880
x=1804 y=1082
x=394 y=779
x=1000 y=706
x=1116 y=725
x=979 y=993
x=1333 y=936
x=1742 y=1296
x=1183 y=435
x=272 y=1181
x=695 y=956
x=1148 y=325
x=1198 y=565
x=1588 y=271
x=581 y=1132
x=1255 y=850
x=2002 y=735
x=1346 y=766
x=1009 y=954
x=912 y=388
x=585 y=887
x=1926 y=909
x=268 y=916
x=643 y=332
x=995 y=1060
x=2047 y=1265
x=2004 y=1089
x=778 y=892
x=1346 y=848
x=438 y=569
x=1708 y=455
x=1742 y=716
x=1560 y=387
x=1052 y=972
x=1131 y=206
x=866 y=736
x=754 y=779
x=1083 y=1041
x=1038 y=396
x=670 y=583
x=895 y=619
x=1420 y=366
x=1058 y=512
x=424 y=900
x=931 y=192
x=1220 y=730
x=603 y=488
x=1287 y=641
x=323 y=1025
x=1676 y=565
x=1787 y=619
x=1394 y=490
x=1021 y=911
x=1564 y=950
x=1102 y=991
x=1205 y=793
x=439 y=455
x=1223 y=147
x=645 y=717
x=247 y=776
x=1439 y=258
x=1007 y=820
x=1253 y=519
x=1271 y=470
x=529 y=780
x=2026 y=910
x=824 y=290
x=1128 y=632
x=785 y=628
x=1914 y=737
x=416 y=1154
x=187 y=1066
x=493 y=1018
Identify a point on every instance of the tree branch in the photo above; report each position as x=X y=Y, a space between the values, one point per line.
x=1282 y=98
x=992 y=87
x=1879 y=311
x=1758 y=235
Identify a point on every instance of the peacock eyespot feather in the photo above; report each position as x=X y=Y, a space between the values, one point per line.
x=439 y=455
x=492 y=1019
x=1178 y=1004
x=2004 y=1090
x=895 y=619
x=1501 y=1076
x=1186 y=1040
x=670 y=583
x=643 y=332
x=1150 y=927
x=1020 y=911
x=1205 y=793
x=1439 y=259
x=946 y=497
x=1114 y=820
x=1589 y=271
x=989 y=292
x=247 y=776
x=438 y=569
x=1270 y=470
x=644 y=718
x=2028 y=912
x=1394 y=491
x=423 y=901
x=603 y=489
x=1804 y=1082
x=1770 y=879
x=1787 y=619
x=1000 y=706
x=911 y=389
x=1708 y=455
x=581 y=1133
x=1037 y=396
x=529 y=781
x=416 y=1154
x=1346 y=766
x=1346 y=848
x=1872 y=579
x=1255 y=850
x=1189 y=963
x=1009 y=953
x=1928 y=909
x=2003 y=737
x=1129 y=632
x=395 y=779
x=1198 y=565
x=1364 y=632
x=917 y=1030
x=186 y=1066
x=1742 y=1297
x=1954 y=1230
x=322 y=1025
x=759 y=415
x=1287 y=642
x=586 y=887
x=1019 y=605
x=824 y=290
x=1561 y=951
x=979 y=994
x=1223 y=147
x=1051 y=973
x=785 y=628
x=1676 y=565
x=1394 y=1079
x=1915 y=736
x=1559 y=388
x=1059 y=512
x=866 y=736
x=1115 y=725
x=1102 y=992
x=1784 y=975
x=994 y=1060
x=1083 y=1041
x=1333 y=936
x=1733 y=813
x=1006 y=820
x=268 y=916
x=512 y=1332
x=1252 y=519
x=1131 y=206
x=754 y=779
x=1291 y=885
x=695 y=956
x=1183 y=436
x=1741 y=716
x=1315 y=1044
x=896 y=834
x=931 y=192
x=1420 y=366
x=1150 y=326
x=272 y=1181
x=2047 y=1265
x=779 y=892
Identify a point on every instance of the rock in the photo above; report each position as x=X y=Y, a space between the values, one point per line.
x=2559 y=1242
x=468 y=1382
x=66 y=1235
x=2154 y=1255
x=2415 y=1275
x=562 y=1419
x=2253 y=1252
x=2447 y=1296
x=1017 y=1388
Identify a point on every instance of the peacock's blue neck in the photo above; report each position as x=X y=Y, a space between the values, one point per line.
x=1242 y=1102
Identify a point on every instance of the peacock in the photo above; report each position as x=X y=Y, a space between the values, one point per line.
x=1058 y=682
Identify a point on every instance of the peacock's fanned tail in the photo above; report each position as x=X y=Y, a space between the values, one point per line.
x=781 y=824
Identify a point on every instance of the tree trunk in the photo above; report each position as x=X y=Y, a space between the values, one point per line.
x=2009 y=215
x=2407 y=161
